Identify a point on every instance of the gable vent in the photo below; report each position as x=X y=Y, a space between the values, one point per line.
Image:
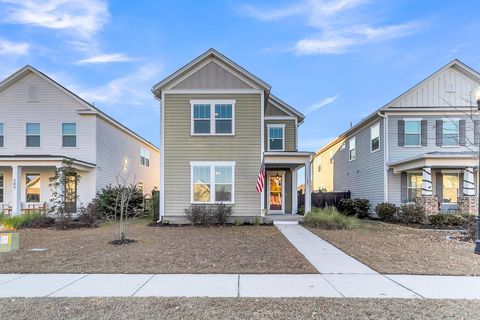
x=32 y=94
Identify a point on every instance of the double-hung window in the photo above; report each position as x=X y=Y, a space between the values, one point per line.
x=216 y=117
x=276 y=137
x=144 y=157
x=33 y=135
x=2 y=187
x=414 y=186
x=352 y=149
x=412 y=132
x=451 y=133
x=69 y=135
x=212 y=182
x=375 y=137
x=2 y=135
x=32 y=187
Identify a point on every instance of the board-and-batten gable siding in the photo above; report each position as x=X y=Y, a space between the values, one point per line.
x=53 y=107
x=452 y=87
x=364 y=176
x=272 y=110
x=290 y=133
x=113 y=146
x=212 y=76
x=180 y=148
x=397 y=153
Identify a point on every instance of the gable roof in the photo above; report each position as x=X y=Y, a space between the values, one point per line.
x=90 y=108
x=391 y=105
x=282 y=105
x=207 y=55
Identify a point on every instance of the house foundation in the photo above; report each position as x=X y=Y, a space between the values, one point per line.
x=468 y=204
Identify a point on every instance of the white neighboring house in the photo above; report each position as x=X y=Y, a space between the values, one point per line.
x=42 y=123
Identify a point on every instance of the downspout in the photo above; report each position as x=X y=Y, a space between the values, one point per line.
x=385 y=155
x=161 y=213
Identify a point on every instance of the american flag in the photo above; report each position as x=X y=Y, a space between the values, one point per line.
x=261 y=178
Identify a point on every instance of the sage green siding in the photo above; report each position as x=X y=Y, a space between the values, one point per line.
x=290 y=133
x=271 y=110
x=180 y=148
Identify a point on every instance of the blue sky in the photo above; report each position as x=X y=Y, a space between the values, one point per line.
x=335 y=60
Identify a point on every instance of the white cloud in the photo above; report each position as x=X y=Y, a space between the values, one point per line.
x=14 y=48
x=82 y=18
x=105 y=58
x=320 y=104
x=338 y=24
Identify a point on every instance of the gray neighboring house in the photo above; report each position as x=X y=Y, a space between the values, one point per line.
x=218 y=123
x=420 y=147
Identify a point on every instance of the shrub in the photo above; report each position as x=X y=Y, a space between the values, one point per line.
x=106 y=200
x=155 y=205
x=387 y=212
x=470 y=226
x=352 y=207
x=32 y=220
x=222 y=212
x=329 y=218
x=208 y=214
x=411 y=213
x=88 y=215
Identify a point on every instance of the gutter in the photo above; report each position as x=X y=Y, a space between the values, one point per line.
x=385 y=155
x=160 y=213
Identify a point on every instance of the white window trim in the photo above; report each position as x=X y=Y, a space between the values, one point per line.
x=68 y=135
x=276 y=125
x=212 y=104
x=25 y=188
x=350 y=149
x=270 y=174
x=371 y=129
x=147 y=156
x=40 y=134
x=419 y=145
x=458 y=130
x=4 y=136
x=212 y=165
x=408 y=181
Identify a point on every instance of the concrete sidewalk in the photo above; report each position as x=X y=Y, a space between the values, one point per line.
x=339 y=276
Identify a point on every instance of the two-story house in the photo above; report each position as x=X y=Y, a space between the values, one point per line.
x=219 y=123
x=420 y=147
x=42 y=124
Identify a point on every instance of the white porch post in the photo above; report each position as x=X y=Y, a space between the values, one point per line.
x=16 y=190
x=468 y=182
x=427 y=181
x=308 y=194
x=294 y=192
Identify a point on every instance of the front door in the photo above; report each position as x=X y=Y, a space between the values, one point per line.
x=276 y=192
x=71 y=193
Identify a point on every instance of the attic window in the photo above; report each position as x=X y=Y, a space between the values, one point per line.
x=32 y=94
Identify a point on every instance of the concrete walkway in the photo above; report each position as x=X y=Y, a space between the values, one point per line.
x=339 y=276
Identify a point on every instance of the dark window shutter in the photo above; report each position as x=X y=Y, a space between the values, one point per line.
x=401 y=133
x=460 y=184
x=439 y=186
x=439 y=132
x=424 y=133
x=462 y=134
x=403 y=187
x=476 y=132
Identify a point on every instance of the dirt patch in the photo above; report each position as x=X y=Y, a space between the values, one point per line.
x=394 y=249
x=237 y=308
x=231 y=249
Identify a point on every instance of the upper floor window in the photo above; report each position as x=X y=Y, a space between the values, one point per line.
x=33 y=135
x=69 y=134
x=352 y=149
x=144 y=157
x=451 y=132
x=212 y=182
x=214 y=117
x=276 y=137
x=319 y=168
x=2 y=135
x=375 y=137
x=413 y=129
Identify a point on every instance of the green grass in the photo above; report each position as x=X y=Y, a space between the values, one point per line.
x=329 y=218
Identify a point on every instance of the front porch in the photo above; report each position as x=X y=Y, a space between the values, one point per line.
x=442 y=182
x=24 y=183
x=280 y=192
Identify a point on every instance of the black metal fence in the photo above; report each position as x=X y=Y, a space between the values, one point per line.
x=323 y=199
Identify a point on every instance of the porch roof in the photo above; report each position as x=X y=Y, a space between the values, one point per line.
x=42 y=160
x=290 y=159
x=436 y=160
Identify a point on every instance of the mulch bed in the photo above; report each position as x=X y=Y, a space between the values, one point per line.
x=234 y=308
x=230 y=249
x=395 y=249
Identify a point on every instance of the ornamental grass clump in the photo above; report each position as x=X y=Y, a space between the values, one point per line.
x=329 y=218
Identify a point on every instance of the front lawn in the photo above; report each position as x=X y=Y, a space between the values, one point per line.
x=395 y=249
x=231 y=249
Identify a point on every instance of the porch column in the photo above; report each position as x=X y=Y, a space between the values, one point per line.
x=427 y=190
x=294 y=192
x=468 y=201
x=16 y=190
x=468 y=182
x=308 y=192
